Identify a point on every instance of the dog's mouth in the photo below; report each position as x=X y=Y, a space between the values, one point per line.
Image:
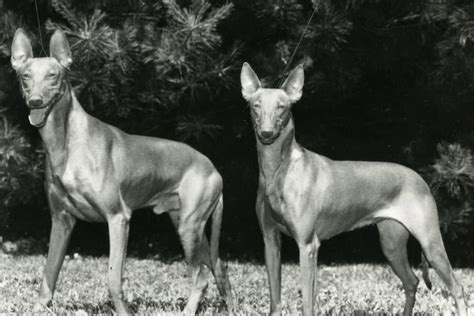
x=38 y=116
x=269 y=140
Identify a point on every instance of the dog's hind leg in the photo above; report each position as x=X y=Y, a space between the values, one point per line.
x=219 y=271
x=192 y=242
x=218 y=267
x=438 y=259
x=393 y=239
x=432 y=244
x=423 y=223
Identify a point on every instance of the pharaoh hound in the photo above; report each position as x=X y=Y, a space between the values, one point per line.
x=97 y=173
x=312 y=198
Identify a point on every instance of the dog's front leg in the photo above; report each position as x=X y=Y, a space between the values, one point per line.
x=308 y=266
x=273 y=264
x=118 y=235
x=272 y=240
x=61 y=229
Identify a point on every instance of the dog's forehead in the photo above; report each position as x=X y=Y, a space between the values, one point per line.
x=271 y=96
x=41 y=65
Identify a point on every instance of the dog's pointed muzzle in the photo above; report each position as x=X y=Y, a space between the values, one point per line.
x=39 y=110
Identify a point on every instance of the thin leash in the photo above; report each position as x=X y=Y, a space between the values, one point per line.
x=288 y=64
x=39 y=29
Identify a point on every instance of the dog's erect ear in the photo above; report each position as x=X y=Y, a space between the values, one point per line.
x=293 y=85
x=249 y=81
x=21 y=49
x=59 y=48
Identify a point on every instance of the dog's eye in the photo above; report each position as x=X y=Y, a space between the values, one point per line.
x=51 y=76
x=280 y=106
x=256 y=105
x=25 y=76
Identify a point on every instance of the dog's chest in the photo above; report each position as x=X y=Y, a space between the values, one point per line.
x=288 y=194
x=81 y=192
x=280 y=200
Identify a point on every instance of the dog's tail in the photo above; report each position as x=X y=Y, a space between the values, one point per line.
x=219 y=267
x=425 y=269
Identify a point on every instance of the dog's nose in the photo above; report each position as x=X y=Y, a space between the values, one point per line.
x=35 y=102
x=267 y=134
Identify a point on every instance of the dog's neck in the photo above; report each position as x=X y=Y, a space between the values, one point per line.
x=56 y=133
x=271 y=157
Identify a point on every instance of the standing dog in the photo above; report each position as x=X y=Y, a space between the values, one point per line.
x=311 y=198
x=97 y=173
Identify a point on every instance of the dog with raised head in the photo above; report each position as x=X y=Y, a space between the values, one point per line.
x=97 y=173
x=312 y=198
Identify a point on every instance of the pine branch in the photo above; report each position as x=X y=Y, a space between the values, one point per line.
x=67 y=13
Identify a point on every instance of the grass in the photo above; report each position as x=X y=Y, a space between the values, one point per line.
x=153 y=286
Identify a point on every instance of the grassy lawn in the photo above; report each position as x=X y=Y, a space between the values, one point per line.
x=155 y=286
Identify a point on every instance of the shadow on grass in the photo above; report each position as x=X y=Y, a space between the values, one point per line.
x=102 y=307
x=149 y=304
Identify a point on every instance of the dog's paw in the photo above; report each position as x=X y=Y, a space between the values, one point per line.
x=42 y=305
x=39 y=308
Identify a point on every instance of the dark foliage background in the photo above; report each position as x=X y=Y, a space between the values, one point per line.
x=385 y=80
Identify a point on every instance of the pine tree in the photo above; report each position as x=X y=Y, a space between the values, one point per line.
x=20 y=171
x=162 y=58
x=452 y=181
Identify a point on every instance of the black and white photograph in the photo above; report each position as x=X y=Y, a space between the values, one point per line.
x=237 y=157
